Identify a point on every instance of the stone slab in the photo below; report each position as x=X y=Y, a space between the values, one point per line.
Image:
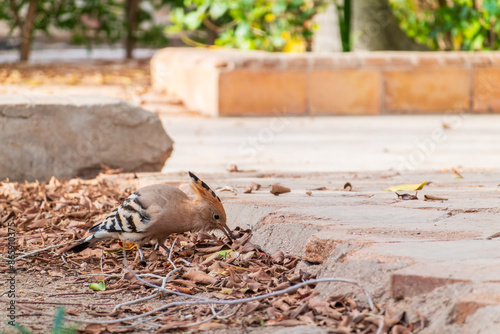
x=71 y=136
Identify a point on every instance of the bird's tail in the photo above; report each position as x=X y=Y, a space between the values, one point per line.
x=83 y=244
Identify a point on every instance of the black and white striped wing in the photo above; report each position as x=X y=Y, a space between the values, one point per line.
x=130 y=217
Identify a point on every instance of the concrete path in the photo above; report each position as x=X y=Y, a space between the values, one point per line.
x=401 y=143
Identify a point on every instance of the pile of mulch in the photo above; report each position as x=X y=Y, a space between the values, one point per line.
x=57 y=212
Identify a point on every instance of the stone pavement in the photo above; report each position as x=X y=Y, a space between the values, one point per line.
x=349 y=143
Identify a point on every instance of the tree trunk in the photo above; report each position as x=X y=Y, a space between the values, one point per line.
x=27 y=31
x=377 y=29
x=132 y=11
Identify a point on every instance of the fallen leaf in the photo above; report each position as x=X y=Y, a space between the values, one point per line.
x=233 y=168
x=172 y=324
x=285 y=322
x=456 y=174
x=184 y=282
x=248 y=190
x=93 y=329
x=277 y=189
x=348 y=186
x=220 y=254
x=446 y=126
x=434 y=198
x=255 y=186
x=309 y=193
x=183 y=289
x=101 y=286
x=409 y=187
x=407 y=197
x=109 y=171
x=251 y=307
x=199 y=277
x=209 y=326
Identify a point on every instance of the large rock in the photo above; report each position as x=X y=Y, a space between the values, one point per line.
x=68 y=136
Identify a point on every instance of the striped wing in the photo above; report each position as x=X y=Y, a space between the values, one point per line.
x=129 y=217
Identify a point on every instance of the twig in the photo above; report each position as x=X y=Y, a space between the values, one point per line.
x=226 y=316
x=215 y=315
x=164 y=282
x=72 y=294
x=135 y=301
x=41 y=250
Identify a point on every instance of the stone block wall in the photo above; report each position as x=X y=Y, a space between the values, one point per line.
x=232 y=82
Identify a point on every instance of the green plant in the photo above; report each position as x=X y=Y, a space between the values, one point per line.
x=344 y=17
x=57 y=324
x=460 y=25
x=280 y=25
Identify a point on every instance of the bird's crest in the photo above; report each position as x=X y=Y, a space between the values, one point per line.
x=203 y=190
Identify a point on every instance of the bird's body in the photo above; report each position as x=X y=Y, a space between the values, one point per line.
x=154 y=212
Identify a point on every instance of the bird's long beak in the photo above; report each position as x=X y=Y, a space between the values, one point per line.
x=228 y=233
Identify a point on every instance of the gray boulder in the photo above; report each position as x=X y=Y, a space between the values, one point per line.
x=67 y=136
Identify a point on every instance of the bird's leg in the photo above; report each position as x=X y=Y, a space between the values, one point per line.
x=165 y=248
x=139 y=249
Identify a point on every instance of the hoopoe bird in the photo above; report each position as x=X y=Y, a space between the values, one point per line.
x=154 y=212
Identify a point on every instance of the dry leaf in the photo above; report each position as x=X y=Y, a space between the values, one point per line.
x=109 y=171
x=309 y=193
x=446 y=126
x=248 y=190
x=233 y=168
x=251 y=307
x=408 y=187
x=93 y=329
x=199 y=277
x=434 y=198
x=277 y=189
x=171 y=325
x=209 y=326
x=183 y=289
x=348 y=186
x=255 y=186
x=456 y=174
x=407 y=197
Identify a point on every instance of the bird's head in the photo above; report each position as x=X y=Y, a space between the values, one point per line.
x=210 y=207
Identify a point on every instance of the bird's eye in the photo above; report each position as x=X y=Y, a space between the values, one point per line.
x=216 y=216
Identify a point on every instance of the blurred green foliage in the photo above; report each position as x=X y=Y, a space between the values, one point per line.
x=466 y=25
x=90 y=22
x=271 y=25
x=279 y=25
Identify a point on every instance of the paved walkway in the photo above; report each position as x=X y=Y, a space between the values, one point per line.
x=402 y=143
